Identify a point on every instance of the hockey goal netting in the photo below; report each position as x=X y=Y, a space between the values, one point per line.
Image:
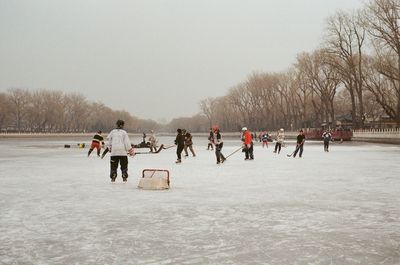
x=154 y=179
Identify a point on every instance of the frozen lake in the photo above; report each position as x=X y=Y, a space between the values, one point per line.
x=59 y=207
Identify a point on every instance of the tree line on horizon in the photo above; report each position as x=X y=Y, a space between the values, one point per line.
x=354 y=75
x=48 y=111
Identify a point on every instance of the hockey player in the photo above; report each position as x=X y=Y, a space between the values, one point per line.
x=97 y=142
x=264 y=139
x=153 y=142
x=218 y=146
x=188 y=144
x=300 y=143
x=280 y=138
x=248 y=144
x=327 y=137
x=180 y=143
x=119 y=144
x=211 y=140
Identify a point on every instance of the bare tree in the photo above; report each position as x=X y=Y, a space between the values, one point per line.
x=207 y=106
x=5 y=111
x=19 y=99
x=345 y=40
x=383 y=88
x=382 y=20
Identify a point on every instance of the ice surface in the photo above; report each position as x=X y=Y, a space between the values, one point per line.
x=59 y=207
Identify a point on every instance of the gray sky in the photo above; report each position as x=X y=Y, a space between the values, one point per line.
x=154 y=58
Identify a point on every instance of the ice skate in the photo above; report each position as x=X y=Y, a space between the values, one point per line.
x=113 y=177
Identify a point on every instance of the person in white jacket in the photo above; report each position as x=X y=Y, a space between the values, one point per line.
x=280 y=138
x=119 y=144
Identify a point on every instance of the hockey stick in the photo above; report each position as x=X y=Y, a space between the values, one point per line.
x=297 y=148
x=289 y=155
x=240 y=148
x=156 y=152
x=168 y=147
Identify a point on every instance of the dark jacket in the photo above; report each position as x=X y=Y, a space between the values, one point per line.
x=180 y=140
x=188 y=139
x=300 y=139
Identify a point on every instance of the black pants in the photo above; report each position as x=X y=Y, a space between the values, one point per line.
x=248 y=152
x=179 y=150
x=114 y=161
x=210 y=145
x=218 y=154
x=278 y=147
x=326 y=146
x=300 y=147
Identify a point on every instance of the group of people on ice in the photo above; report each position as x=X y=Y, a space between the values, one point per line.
x=119 y=145
x=183 y=141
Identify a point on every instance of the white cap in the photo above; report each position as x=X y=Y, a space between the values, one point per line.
x=281 y=129
x=244 y=129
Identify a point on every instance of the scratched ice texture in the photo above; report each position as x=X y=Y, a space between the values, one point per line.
x=58 y=206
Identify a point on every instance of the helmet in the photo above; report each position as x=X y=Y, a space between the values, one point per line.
x=281 y=129
x=120 y=123
x=244 y=129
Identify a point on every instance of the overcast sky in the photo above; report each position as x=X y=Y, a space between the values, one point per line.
x=154 y=58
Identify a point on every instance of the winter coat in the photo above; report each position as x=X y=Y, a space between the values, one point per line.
x=188 y=139
x=152 y=139
x=218 y=139
x=180 y=140
x=248 y=138
x=97 y=138
x=327 y=136
x=280 y=137
x=118 y=142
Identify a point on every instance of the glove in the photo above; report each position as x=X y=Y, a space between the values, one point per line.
x=131 y=152
x=248 y=145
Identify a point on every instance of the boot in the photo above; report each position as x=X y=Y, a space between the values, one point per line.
x=113 y=176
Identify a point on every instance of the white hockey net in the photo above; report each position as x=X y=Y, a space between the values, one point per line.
x=154 y=179
x=155 y=173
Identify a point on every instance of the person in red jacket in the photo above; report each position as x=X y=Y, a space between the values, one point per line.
x=248 y=144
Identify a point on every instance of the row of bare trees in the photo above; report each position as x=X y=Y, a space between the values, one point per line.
x=57 y=112
x=355 y=72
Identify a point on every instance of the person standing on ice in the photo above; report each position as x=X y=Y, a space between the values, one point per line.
x=218 y=146
x=327 y=137
x=97 y=142
x=188 y=144
x=180 y=144
x=280 y=138
x=119 y=144
x=211 y=140
x=248 y=144
x=264 y=138
x=153 y=142
x=300 y=143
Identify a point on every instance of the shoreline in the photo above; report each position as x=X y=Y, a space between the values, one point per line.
x=289 y=136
